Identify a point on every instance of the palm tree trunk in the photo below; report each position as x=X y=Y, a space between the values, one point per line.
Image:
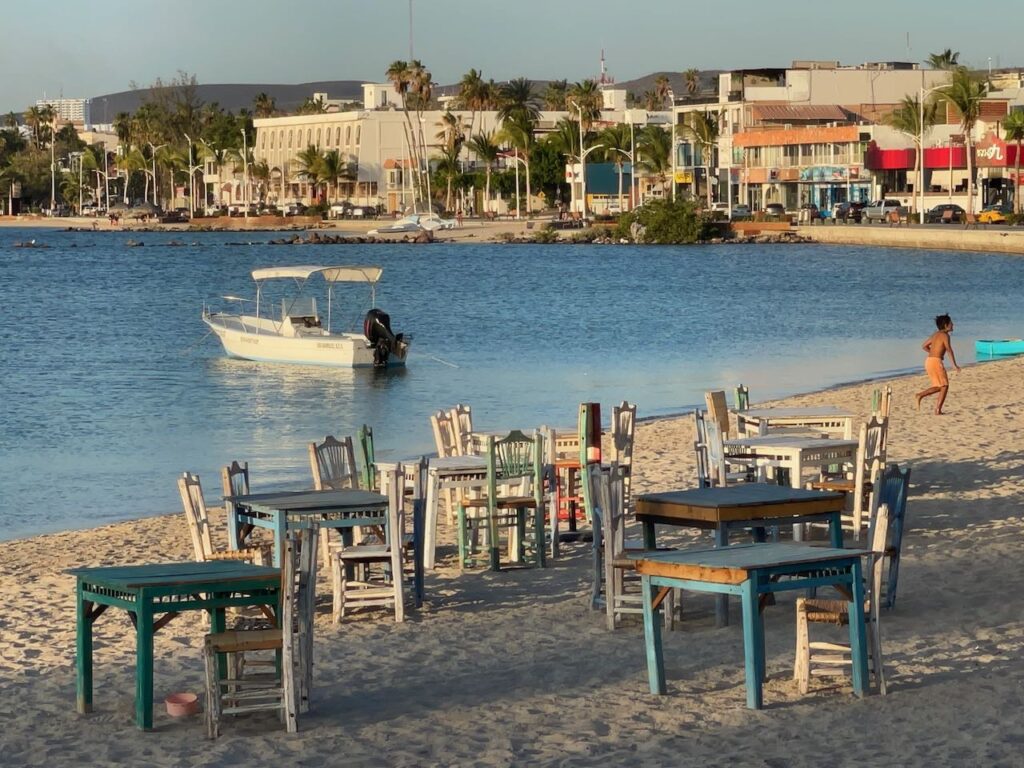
x=487 y=189
x=970 y=172
x=707 y=176
x=1016 y=179
x=619 y=167
x=528 y=195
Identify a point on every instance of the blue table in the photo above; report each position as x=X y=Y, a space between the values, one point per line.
x=167 y=589
x=749 y=571
x=340 y=509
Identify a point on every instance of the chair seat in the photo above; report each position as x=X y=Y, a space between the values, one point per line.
x=366 y=552
x=823 y=611
x=506 y=502
x=847 y=486
x=246 y=553
x=245 y=640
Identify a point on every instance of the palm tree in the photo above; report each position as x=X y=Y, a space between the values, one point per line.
x=310 y=165
x=555 y=94
x=486 y=149
x=651 y=101
x=473 y=94
x=692 y=78
x=517 y=132
x=312 y=106
x=566 y=138
x=448 y=168
x=264 y=105
x=947 y=59
x=516 y=100
x=906 y=118
x=34 y=119
x=10 y=120
x=616 y=143
x=966 y=92
x=654 y=147
x=400 y=75
x=588 y=98
x=661 y=89
x=703 y=128
x=1013 y=130
x=332 y=168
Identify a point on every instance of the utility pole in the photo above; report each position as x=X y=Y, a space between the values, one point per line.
x=245 y=174
x=411 y=57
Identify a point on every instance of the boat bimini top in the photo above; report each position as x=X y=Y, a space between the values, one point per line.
x=331 y=274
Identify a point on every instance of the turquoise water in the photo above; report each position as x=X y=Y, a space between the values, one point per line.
x=110 y=391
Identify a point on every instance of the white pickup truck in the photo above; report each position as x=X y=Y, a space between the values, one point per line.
x=880 y=210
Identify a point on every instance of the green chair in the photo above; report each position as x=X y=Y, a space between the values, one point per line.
x=367 y=457
x=742 y=398
x=515 y=487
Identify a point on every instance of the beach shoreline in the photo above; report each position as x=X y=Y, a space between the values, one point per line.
x=514 y=668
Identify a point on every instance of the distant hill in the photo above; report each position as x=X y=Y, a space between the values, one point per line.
x=708 y=83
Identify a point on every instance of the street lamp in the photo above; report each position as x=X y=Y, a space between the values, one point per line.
x=78 y=156
x=526 y=167
x=212 y=151
x=191 y=179
x=245 y=175
x=920 y=149
x=153 y=148
x=583 y=167
x=630 y=156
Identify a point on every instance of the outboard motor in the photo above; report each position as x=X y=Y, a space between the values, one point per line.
x=377 y=329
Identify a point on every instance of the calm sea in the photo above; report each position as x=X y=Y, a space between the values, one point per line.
x=110 y=390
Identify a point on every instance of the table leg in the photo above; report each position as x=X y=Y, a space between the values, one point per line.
x=835 y=529
x=795 y=482
x=280 y=531
x=218 y=623
x=753 y=639
x=83 y=653
x=144 y=662
x=721 y=601
x=430 y=532
x=650 y=539
x=858 y=637
x=652 y=639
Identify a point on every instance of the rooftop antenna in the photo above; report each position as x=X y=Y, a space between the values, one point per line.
x=411 y=57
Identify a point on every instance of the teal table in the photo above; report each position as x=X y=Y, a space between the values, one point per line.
x=341 y=509
x=153 y=595
x=749 y=571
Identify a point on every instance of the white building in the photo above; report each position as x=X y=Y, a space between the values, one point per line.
x=68 y=110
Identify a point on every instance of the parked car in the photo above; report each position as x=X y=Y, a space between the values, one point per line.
x=939 y=215
x=809 y=212
x=740 y=211
x=995 y=214
x=881 y=210
x=340 y=210
x=775 y=209
x=849 y=211
x=294 y=209
x=365 y=212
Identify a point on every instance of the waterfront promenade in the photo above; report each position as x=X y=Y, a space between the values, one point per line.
x=514 y=669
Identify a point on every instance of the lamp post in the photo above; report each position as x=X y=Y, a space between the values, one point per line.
x=78 y=156
x=153 y=148
x=920 y=149
x=53 y=166
x=526 y=168
x=211 y=150
x=630 y=156
x=245 y=175
x=583 y=167
x=191 y=179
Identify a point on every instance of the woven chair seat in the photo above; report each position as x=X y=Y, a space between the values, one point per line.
x=822 y=611
x=507 y=502
x=239 y=641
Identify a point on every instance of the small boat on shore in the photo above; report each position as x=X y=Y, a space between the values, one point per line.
x=999 y=346
x=298 y=335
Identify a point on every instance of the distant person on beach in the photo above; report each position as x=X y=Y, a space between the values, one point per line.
x=936 y=346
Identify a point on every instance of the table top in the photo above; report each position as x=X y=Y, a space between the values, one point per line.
x=299 y=501
x=790 y=442
x=172 y=574
x=458 y=463
x=730 y=565
x=746 y=501
x=811 y=411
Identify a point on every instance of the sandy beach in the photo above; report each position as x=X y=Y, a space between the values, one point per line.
x=515 y=669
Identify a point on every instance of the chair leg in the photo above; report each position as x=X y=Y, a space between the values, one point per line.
x=212 y=692
x=462 y=533
x=875 y=637
x=801 y=669
x=337 y=588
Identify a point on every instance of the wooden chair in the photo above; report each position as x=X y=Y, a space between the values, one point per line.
x=613 y=566
x=514 y=463
x=700 y=449
x=970 y=221
x=375 y=574
x=871 y=453
x=742 y=398
x=623 y=432
x=333 y=464
x=718 y=410
x=462 y=422
x=191 y=491
x=825 y=658
x=445 y=439
x=893 y=489
x=292 y=638
x=368 y=462
x=947 y=216
x=881 y=400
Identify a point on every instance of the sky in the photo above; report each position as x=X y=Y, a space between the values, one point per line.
x=82 y=49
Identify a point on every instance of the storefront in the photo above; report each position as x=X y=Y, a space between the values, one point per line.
x=996 y=161
x=828 y=185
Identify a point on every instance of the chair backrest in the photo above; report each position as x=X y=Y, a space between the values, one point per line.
x=333 y=464
x=715 y=443
x=880 y=402
x=515 y=456
x=364 y=438
x=234 y=481
x=623 y=431
x=875 y=446
x=392 y=485
x=607 y=488
x=718 y=410
x=877 y=539
x=700 y=449
x=742 y=398
x=444 y=434
x=893 y=487
x=462 y=423
x=195 y=514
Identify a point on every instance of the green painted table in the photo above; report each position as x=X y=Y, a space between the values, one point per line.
x=153 y=595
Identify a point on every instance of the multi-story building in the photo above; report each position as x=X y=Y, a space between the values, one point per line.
x=68 y=110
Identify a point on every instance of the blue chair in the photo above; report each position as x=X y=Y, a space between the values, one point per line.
x=893 y=487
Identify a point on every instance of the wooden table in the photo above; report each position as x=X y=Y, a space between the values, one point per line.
x=168 y=589
x=827 y=418
x=795 y=453
x=748 y=505
x=749 y=571
x=341 y=509
x=461 y=473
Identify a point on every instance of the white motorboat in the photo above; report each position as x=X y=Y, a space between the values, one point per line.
x=415 y=222
x=298 y=334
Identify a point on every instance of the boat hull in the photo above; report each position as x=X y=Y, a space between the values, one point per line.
x=337 y=350
x=999 y=346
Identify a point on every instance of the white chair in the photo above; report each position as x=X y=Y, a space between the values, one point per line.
x=860 y=480
x=820 y=658
x=292 y=638
x=198 y=519
x=623 y=433
x=462 y=424
x=375 y=574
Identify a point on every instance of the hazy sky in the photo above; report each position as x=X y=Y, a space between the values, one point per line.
x=85 y=49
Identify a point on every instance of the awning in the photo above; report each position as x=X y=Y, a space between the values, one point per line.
x=330 y=274
x=798 y=113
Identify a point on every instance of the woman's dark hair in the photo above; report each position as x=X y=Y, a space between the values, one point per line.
x=941 y=321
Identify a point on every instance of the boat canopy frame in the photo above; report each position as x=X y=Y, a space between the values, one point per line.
x=331 y=275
